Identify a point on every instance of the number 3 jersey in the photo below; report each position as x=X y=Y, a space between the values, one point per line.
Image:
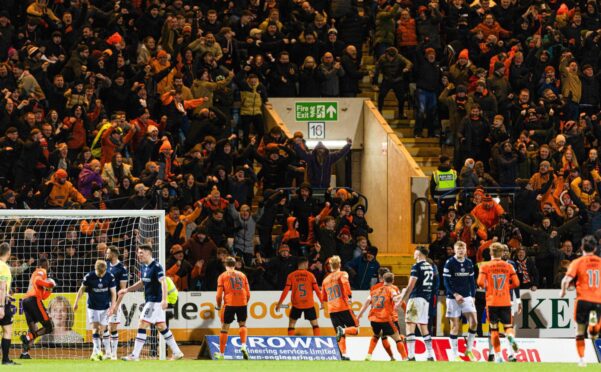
x=302 y=284
x=498 y=278
x=336 y=289
x=424 y=286
x=233 y=288
x=585 y=271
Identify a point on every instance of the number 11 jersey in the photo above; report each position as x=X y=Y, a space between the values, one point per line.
x=585 y=271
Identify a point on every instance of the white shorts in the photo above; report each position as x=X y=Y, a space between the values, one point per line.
x=116 y=317
x=417 y=311
x=98 y=316
x=153 y=313
x=454 y=309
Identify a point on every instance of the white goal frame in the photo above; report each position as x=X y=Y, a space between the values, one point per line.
x=113 y=213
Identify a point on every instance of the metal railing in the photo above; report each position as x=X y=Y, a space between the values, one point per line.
x=492 y=191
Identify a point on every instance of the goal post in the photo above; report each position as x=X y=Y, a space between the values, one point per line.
x=72 y=241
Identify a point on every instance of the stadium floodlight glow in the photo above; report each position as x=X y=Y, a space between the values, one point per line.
x=330 y=144
x=73 y=240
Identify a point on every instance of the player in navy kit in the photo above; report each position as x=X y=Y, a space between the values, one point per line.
x=155 y=293
x=460 y=288
x=419 y=291
x=121 y=275
x=100 y=287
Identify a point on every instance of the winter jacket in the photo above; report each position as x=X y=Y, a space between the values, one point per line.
x=330 y=84
x=406 y=33
x=58 y=195
x=319 y=174
x=385 y=25
x=365 y=272
x=252 y=99
x=88 y=180
x=244 y=230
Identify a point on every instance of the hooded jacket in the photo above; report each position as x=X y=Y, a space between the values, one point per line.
x=58 y=194
x=319 y=173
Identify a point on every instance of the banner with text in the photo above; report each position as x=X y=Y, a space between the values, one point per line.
x=543 y=315
x=531 y=350
x=278 y=348
x=195 y=311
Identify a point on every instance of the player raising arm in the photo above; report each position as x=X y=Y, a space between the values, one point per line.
x=418 y=293
x=40 y=288
x=585 y=271
x=115 y=267
x=100 y=286
x=6 y=309
x=460 y=286
x=155 y=293
x=336 y=289
x=233 y=292
x=498 y=278
x=383 y=300
x=302 y=284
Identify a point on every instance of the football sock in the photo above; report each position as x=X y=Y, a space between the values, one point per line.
x=222 y=341
x=471 y=336
x=428 y=342
x=243 y=334
x=351 y=331
x=454 y=344
x=342 y=345
x=400 y=346
x=316 y=331
x=411 y=345
x=580 y=346
x=170 y=340
x=106 y=342
x=97 y=343
x=114 y=341
x=139 y=343
x=386 y=345
x=372 y=345
x=6 y=349
x=496 y=342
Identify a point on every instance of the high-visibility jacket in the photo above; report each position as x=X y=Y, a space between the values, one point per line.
x=445 y=180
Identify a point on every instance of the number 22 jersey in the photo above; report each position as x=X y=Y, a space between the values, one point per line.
x=424 y=286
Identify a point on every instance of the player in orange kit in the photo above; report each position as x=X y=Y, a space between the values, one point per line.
x=40 y=288
x=233 y=291
x=302 y=284
x=336 y=289
x=499 y=278
x=395 y=316
x=585 y=271
x=383 y=300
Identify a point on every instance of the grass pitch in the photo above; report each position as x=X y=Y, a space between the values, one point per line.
x=292 y=366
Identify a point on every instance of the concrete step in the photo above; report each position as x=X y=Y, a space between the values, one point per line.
x=423 y=151
x=417 y=142
x=427 y=160
x=428 y=170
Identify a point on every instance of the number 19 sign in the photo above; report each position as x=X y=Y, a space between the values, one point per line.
x=314 y=111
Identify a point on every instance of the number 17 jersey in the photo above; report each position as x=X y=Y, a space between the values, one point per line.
x=499 y=278
x=585 y=271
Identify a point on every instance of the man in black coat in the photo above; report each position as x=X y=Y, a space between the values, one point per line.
x=349 y=86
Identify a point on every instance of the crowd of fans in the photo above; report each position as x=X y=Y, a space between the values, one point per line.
x=158 y=104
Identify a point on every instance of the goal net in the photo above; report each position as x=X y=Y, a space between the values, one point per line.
x=72 y=241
